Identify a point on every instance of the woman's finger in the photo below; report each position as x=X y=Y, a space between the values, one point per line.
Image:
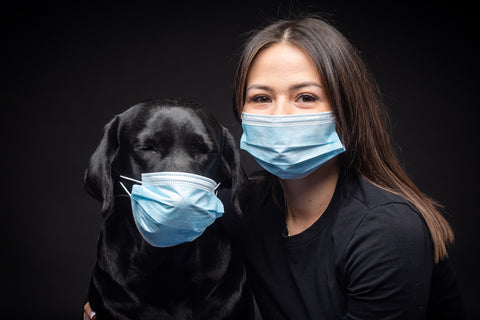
x=89 y=314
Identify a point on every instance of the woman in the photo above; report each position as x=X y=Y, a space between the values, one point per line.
x=332 y=233
x=334 y=229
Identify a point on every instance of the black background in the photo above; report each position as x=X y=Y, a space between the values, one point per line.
x=68 y=69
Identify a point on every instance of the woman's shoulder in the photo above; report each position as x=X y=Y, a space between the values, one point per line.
x=371 y=196
x=370 y=216
x=366 y=198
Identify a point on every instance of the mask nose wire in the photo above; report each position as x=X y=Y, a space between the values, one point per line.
x=140 y=182
x=125 y=188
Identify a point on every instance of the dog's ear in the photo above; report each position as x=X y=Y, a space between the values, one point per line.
x=236 y=177
x=98 y=176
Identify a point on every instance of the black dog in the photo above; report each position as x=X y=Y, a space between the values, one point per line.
x=203 y=279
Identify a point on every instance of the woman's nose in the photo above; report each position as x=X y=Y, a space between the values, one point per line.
x=283 y=107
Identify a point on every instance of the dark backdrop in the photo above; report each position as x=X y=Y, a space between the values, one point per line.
x=70 y=69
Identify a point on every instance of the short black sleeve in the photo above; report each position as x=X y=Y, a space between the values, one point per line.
x=388 y=265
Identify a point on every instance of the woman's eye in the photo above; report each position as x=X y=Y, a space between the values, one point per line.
x=307 y=98
x=261 y=99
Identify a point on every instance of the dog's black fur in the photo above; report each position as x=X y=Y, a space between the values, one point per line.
x=203 y=279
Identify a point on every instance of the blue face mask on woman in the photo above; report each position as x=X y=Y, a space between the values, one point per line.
x=170 y=208
x=291 y=146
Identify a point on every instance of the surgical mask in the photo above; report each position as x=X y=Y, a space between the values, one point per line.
x=291 y=146
x=170 y=208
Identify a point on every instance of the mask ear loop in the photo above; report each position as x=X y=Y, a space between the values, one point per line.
x=131 y=179
x=216 y=188
x=125 y=188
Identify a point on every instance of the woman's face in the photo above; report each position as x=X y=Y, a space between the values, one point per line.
x=283 y=80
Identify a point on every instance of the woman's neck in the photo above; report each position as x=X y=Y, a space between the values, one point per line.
x=307 y=199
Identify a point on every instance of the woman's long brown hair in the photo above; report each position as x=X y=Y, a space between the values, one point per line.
x=360 y=113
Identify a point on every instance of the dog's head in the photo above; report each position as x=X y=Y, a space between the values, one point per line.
x=163 y=135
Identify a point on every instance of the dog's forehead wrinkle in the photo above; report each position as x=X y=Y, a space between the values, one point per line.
x=151 y=136
x=183 y=123
x=179 y=118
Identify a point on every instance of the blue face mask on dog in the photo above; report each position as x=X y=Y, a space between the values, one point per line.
x=291 y=146
x=170 y=208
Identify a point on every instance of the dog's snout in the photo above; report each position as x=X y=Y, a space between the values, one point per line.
x=178 y=160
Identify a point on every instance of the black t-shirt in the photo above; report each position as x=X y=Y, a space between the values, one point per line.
x=369 y=256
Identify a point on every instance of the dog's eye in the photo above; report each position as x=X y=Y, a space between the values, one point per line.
x=145 y=148
x=199 y=147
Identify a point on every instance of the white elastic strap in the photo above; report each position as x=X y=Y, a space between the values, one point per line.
x=124 y=188
x=131 y=179
x=216 y=188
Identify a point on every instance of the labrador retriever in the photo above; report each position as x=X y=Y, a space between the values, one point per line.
x=202 y=279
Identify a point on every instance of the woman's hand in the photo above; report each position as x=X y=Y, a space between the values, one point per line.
x=88 y=313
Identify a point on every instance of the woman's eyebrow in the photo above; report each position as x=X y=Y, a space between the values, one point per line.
x=259 y=86
x=305 y=84
x=294 y=87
